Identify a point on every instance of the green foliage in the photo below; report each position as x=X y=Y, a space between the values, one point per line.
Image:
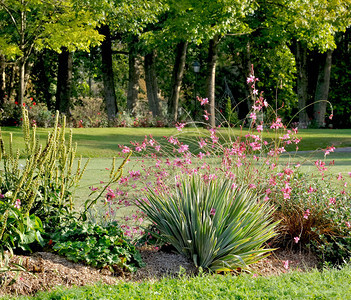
x=38 y=24
x=20 y=231
x=215 y=225
x=95 y=245
x=39 y=191
x=231 y=114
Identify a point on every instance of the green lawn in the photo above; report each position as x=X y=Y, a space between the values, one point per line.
x=328 y=284
x=103 y=142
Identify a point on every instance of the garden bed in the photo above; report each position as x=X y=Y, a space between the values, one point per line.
x=48 y=270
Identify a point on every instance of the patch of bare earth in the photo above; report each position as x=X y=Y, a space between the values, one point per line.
x=47 y=270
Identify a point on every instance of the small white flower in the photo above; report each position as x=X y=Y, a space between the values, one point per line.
x=8 y=194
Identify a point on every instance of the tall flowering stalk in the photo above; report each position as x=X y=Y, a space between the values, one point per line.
x=40 y=189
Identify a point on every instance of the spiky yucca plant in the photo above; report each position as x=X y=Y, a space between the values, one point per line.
x=218 y=226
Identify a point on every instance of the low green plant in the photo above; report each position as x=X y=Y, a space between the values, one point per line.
x=21 y=230
x=96 y=245
x=216 y=225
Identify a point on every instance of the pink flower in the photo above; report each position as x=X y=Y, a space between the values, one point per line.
x=331 y=116
x=332 y=200
x=255 y=275
x=348 y=224
x=18 y=204
x=286 y=264
x=212 y=211
x=328 y=150
x=306 y=214
x=311 y=190
x=202 y=143
x=203 y=101
x=173 y=140
x=253 y=116
x=180 y=126
x=296 y=239
x=126 y=149
x=255 y=92
x=201 y=155
x=250 y=79
x=259 y=128
x=277 y=124
x=183 y=148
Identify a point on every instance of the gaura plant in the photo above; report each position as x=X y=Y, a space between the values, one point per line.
x=215 y=223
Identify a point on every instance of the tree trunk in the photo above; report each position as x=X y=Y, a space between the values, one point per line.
x=27 y=71
x=249 y=71
x=176 y=81
x=21 y=87
x=211 y=78
x=43 y=76
x=2 y=80
x=22 y=60
x=151 y=84
x=11 y=83
x=322 y=89
x=302 y=82
x=107 y=73
x=64 y=81
x=134 y=76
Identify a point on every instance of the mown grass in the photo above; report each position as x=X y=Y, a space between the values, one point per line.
x=103 y=142
x=326 y=284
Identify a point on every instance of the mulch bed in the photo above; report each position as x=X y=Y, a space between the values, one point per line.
x=47 y=270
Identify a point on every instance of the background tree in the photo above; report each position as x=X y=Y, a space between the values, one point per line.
x=28 y=26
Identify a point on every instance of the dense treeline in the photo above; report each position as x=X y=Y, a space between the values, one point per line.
x=139 y=55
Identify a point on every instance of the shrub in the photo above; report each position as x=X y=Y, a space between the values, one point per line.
x=38 y=113
x=88 y=112
x=215 y=225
